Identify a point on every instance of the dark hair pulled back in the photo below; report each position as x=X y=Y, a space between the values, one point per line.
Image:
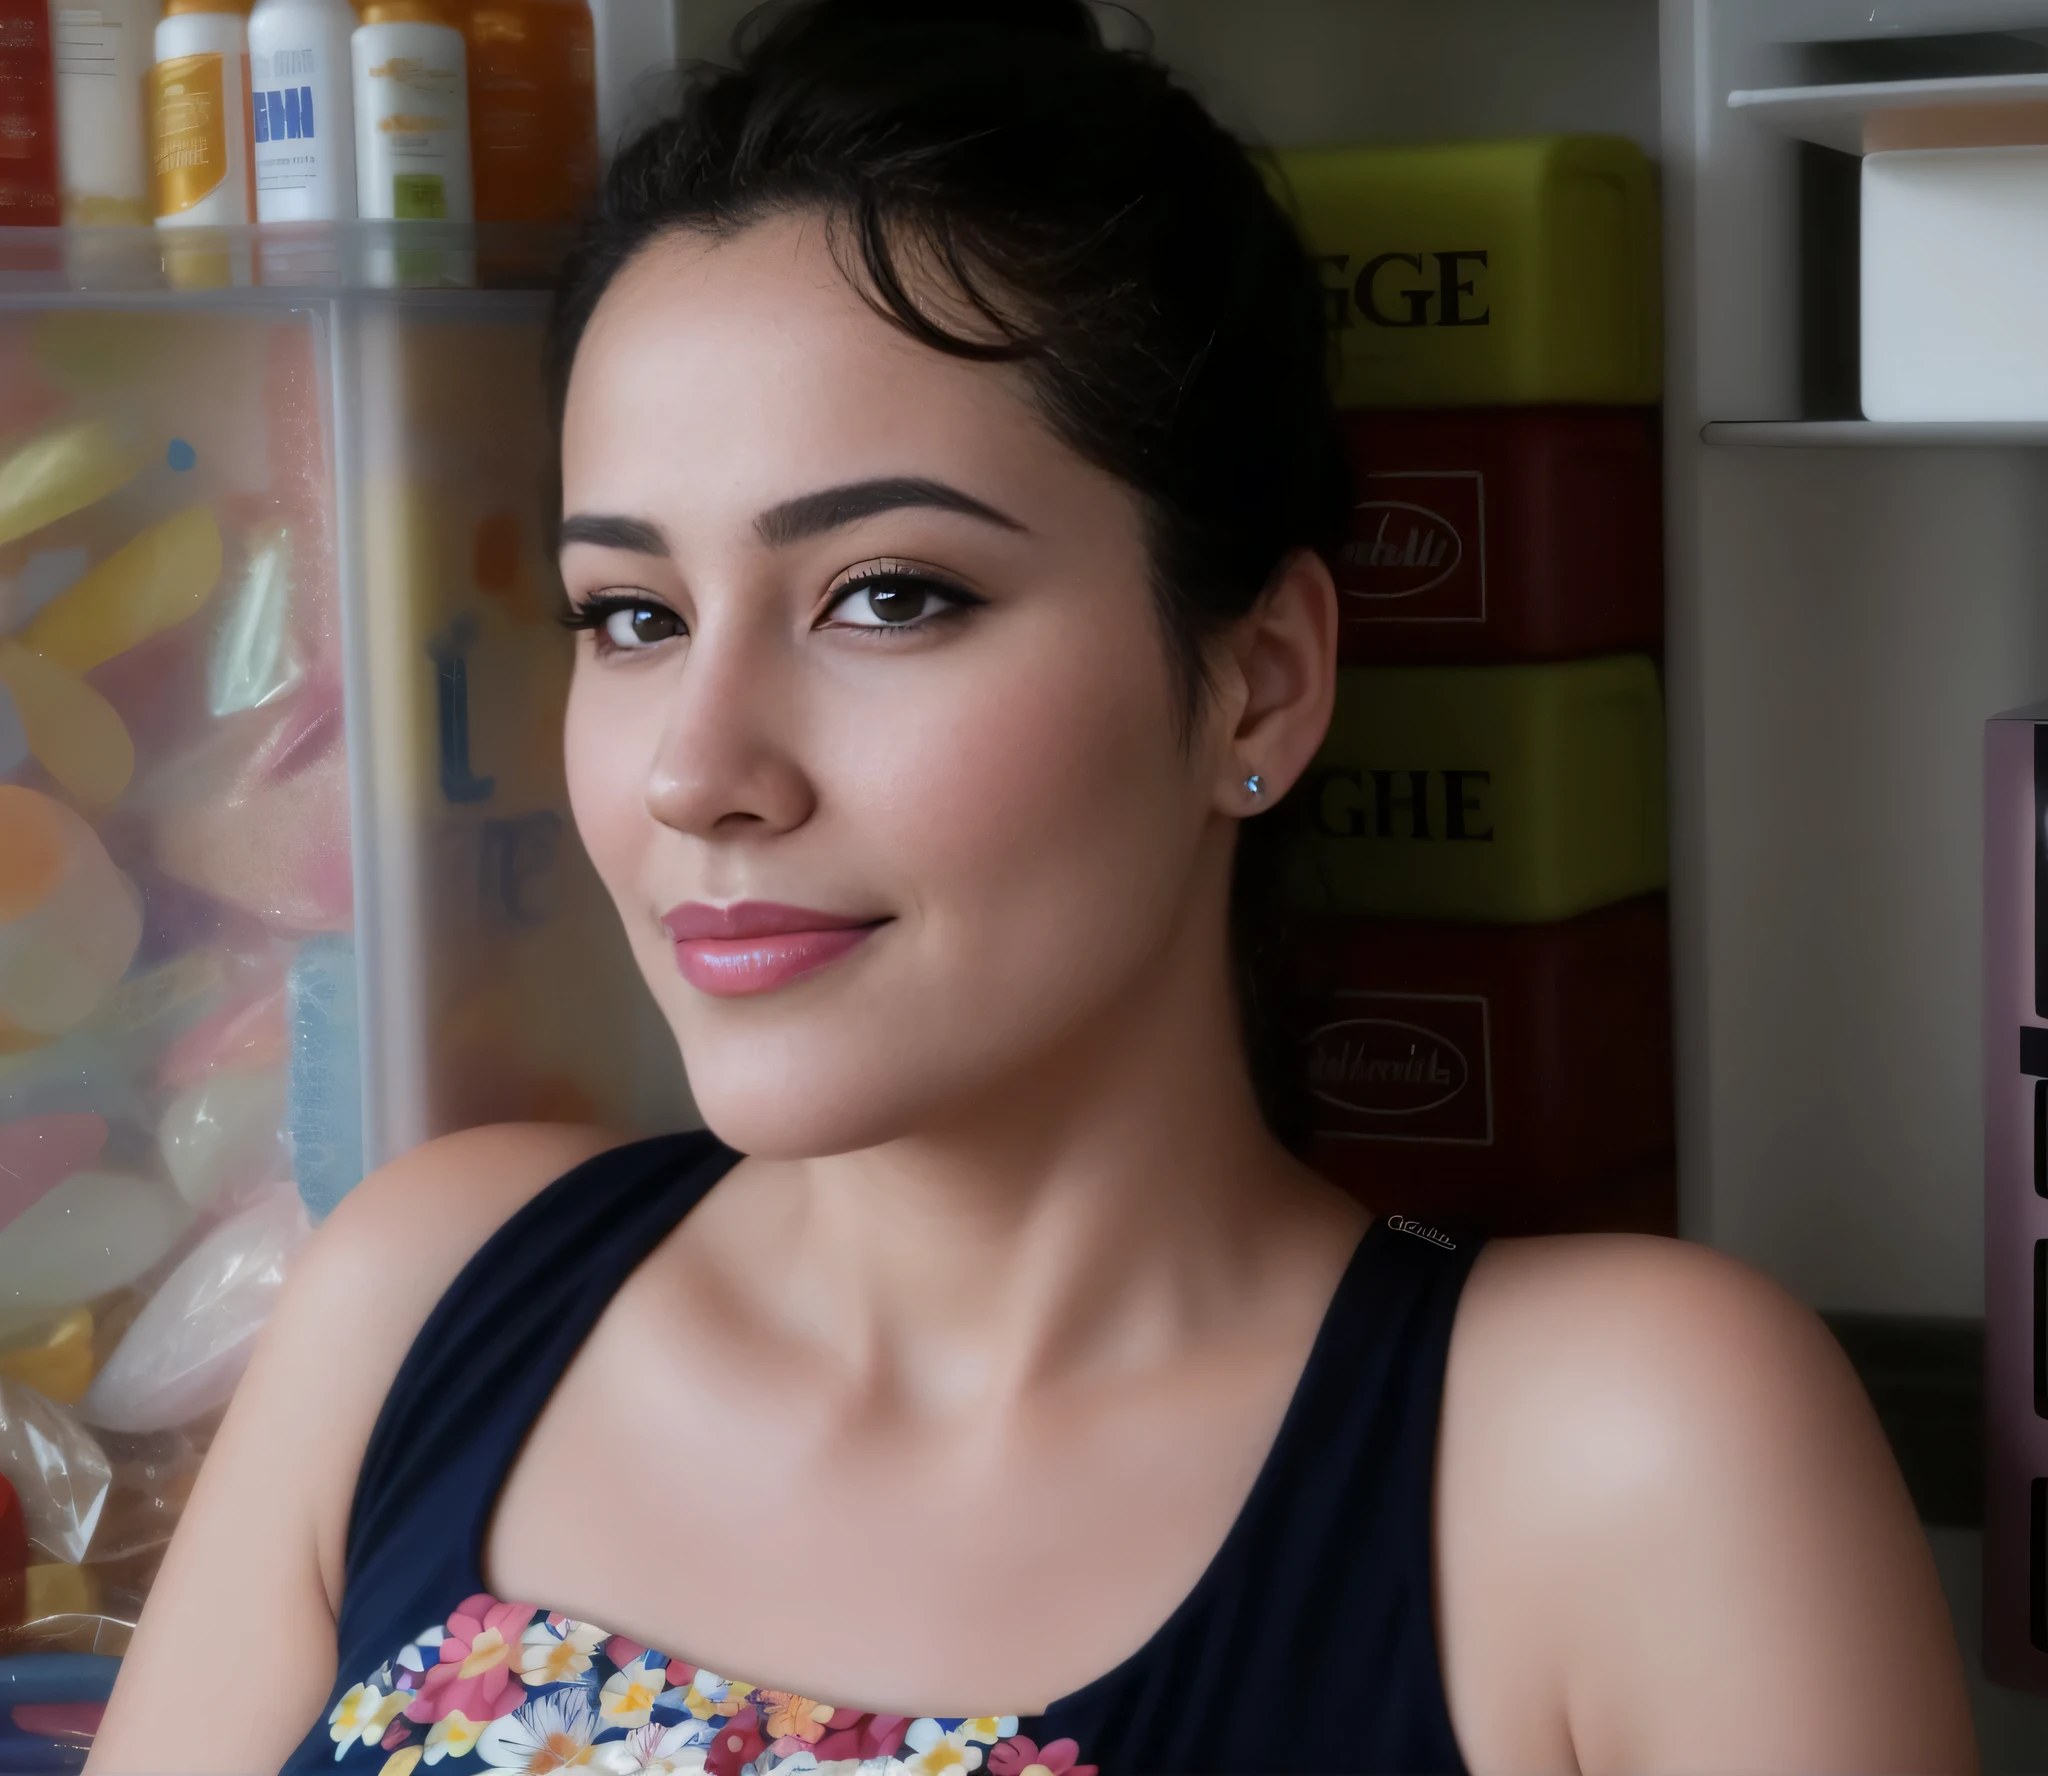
x=1103 y=232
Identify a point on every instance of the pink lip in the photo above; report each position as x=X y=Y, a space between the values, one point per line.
x=755 y=946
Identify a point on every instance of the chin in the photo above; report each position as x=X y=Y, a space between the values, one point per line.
x=774 y=1106
x=825 y=1079
x=894 y=1041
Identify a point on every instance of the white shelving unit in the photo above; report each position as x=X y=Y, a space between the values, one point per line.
x=1842 y=619
x=1856 y=115
x=1848 y=602
x=1865 y=434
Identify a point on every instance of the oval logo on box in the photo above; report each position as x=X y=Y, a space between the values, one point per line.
x=1404 y=549
x=1384 y=1067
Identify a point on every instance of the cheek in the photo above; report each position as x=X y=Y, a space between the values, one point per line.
x=605 y=760
x=1047 y=819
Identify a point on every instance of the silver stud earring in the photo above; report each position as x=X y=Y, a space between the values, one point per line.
x=1256 y=784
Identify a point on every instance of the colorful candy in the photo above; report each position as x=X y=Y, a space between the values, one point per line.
x=63 y=1478
x=172 y=991
x=244 y=1036
x=61 y=1588
x=189 y=1345
x=255 y=657
x=48 y=573
x=159 y=579
x=94 y=1232
x=78 y=1072
x=274 y=839
x=38 y=1153
x=64 y=470
x=13 y=1556
x=60 y=1367
x=68 y=1723
x=221 y=1137
x=13 y=736
x=326 y=1092
x=69 y=920
x=73 y=731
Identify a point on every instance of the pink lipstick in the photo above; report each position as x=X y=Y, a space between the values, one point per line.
x=755 y=946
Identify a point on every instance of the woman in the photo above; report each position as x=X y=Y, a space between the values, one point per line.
x=948 y=473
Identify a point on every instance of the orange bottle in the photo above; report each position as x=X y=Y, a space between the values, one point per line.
x=532 y=107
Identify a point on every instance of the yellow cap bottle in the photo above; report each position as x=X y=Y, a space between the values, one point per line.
x=205 y=173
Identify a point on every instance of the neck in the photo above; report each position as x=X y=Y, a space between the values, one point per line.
x=1116 y=1203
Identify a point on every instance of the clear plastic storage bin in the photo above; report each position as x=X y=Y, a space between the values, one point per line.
x=288 y=881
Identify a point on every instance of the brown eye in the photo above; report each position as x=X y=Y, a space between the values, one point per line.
x=897 y=601
x=639 y=626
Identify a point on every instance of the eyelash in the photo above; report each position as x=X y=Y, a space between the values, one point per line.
x=596 y=612
x=954 y=600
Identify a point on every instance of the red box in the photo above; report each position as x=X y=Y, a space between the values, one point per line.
x=1515 y=1078
x=1525 y=533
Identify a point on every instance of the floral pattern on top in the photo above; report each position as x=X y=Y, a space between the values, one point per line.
x=506 y=1686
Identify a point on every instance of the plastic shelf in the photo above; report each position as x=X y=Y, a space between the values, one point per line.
x=1876 y=434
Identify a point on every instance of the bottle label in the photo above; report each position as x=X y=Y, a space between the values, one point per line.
x=418 y=197
x=87 y=41
x=418 y=75
x=286 y=130
x=189 y=130
x=285 y=65
x=285 y=115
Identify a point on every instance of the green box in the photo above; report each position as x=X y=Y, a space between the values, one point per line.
x=1508 y=794
x=1487 y=273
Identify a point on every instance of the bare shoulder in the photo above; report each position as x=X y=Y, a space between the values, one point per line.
x=254 y=1569
x=1609 y=1322
x=378 y=1265
x=1671 y=1533
x=411 y=1225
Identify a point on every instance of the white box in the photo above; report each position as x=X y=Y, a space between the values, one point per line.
x=1955 y=235
x=1955 y=266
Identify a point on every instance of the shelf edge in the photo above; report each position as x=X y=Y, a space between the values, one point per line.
x=1876 y=434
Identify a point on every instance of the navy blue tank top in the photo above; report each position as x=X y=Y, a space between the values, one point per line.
x=1307 y=1645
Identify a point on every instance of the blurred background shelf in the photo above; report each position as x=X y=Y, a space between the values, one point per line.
x=1873 y=434
x=1857 y=117
x=296 y=259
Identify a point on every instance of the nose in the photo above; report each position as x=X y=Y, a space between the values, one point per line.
x=726 y=765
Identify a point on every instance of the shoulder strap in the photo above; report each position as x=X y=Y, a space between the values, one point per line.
x=498 y=1340
x=1323 y=1587
x=1348 y=1482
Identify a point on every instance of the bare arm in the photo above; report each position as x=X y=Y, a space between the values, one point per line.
x=251 y=1582
x=1673 y=1537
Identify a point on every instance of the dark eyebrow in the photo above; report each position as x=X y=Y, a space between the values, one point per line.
x=811 y=514
x=609 y=532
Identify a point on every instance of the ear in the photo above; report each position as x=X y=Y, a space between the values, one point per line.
x=1278 y=684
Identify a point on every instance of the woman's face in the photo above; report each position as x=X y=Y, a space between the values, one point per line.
x=877 y=662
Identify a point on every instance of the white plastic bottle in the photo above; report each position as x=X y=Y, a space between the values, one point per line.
x=103 y=54
x=412 y=115
x=199 y=115
x=302 y=85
